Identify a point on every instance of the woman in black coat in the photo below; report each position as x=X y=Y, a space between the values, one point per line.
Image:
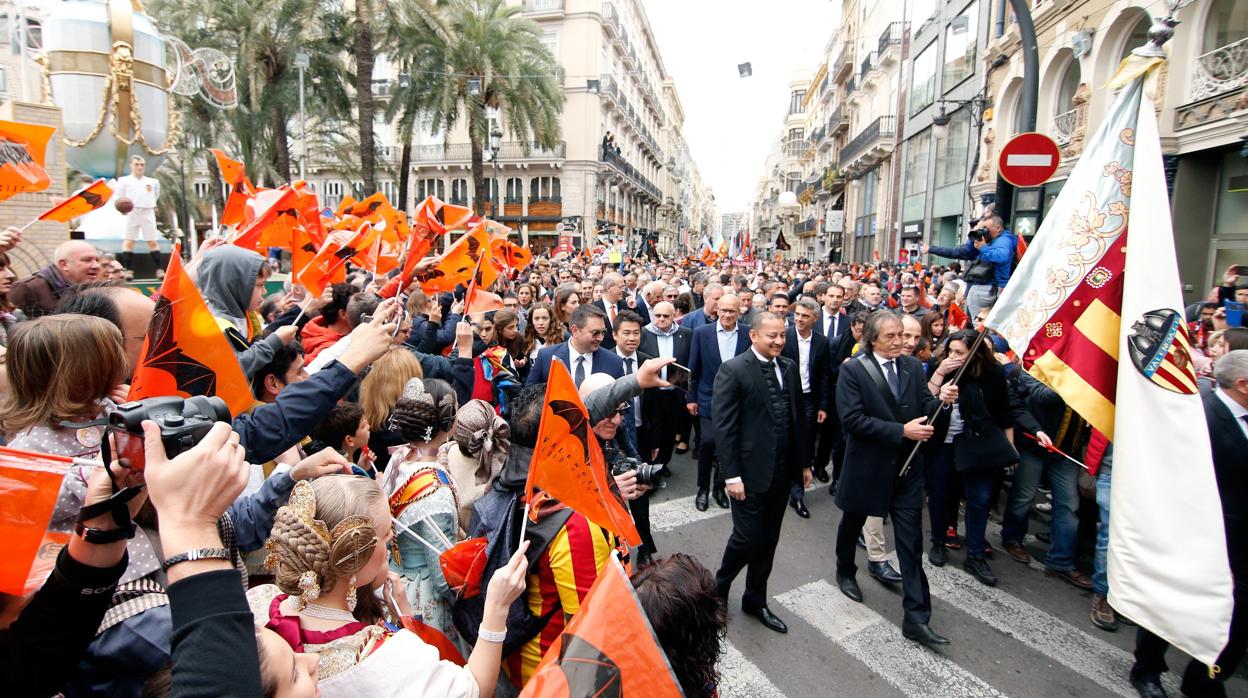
x=983 y=406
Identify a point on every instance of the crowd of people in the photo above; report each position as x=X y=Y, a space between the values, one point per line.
x=301 y=544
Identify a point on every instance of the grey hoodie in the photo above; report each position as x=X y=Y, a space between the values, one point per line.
x=226 y=278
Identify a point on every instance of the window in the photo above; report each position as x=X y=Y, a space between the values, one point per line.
x=432 y=187
x=202 y=190
x=914 y=181
x=795 y=101
x=923 y=83
x=544 y=189
x=960 y=39
x=952 y=150
x=550 y=40
x=333 y=193
x=4 y=79
x=1066 y=88
x=459 y=192
x=390 y=190
x=1139 y=34
x=865 y=224
x=1227 y=24
x=515 y=190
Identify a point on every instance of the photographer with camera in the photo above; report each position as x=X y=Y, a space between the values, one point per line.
x=993 y=249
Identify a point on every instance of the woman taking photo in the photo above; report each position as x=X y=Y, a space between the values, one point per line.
x=328 y=555
x=977 y=444
x=423 y=499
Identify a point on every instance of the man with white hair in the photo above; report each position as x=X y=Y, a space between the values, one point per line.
x=74 y=262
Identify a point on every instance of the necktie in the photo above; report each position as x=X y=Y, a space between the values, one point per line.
x=611 y=313
x=628 y=365
x=893 y=383
x=579 y=377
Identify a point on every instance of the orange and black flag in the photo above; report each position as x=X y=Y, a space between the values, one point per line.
x=304 y=244
x=268 y=220
x=84 y=200
x=607 y=649
x=329 y=266
x=568 y=464
x=23 y=149
x=234 y=174
x=458 y=264
x=477 y=300
x=185 y=352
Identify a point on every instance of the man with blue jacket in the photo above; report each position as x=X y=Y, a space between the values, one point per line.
x=995 y=249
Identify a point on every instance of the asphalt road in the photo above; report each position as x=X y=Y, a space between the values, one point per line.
x=1029 y=636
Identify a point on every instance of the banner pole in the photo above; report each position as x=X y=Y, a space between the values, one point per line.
x=905 y=467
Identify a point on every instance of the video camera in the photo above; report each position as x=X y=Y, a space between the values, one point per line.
x=183 y=423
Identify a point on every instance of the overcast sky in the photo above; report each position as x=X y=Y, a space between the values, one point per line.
x=731 y=122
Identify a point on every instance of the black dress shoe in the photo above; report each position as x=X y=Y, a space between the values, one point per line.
x=938 y=555
x=821 y=474
x=800 y=507
x=849 y=587
x=921 y=633
x=1149 y=687
x=721 y=497
x=979 y=569
x=832 y=490
x=768 y=618
x=701 y=502
x=883 y=572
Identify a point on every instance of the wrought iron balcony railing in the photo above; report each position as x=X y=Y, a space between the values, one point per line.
x=1221 y=70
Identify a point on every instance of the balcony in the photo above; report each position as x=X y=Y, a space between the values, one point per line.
x=462 y=152
x=1065 y=125
x=610 y=18
x=852 y=94
x=543 y=6
x=838 y=123
x=806 y=228
x=843 y=66
x=889 y=50
x=631 y=173
x=794 y=148
x=870 y=73
x=1220 y=71
x=869 y=147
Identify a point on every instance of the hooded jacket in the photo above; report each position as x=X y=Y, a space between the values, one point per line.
x=227 y=278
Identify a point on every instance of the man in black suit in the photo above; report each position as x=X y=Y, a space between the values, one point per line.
x=833 y=447
x=663 y=409
x=757 y=417
x=581 y=353
x=833 y=320
x=809 y=351
x=1226 y=415
x=712 y=346
x=611 y=304
x=884 y=402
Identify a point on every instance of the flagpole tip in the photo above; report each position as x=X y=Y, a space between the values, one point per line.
x=1161 y=31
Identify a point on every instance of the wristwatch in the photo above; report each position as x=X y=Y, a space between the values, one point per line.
x=199 y=554
x=104 y=536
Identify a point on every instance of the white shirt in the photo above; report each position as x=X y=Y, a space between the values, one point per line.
x=573 y=355
x=774 y=362
x=1238 y=411
x=829 y=324
x=803 y=359
x=636 y=364
x=142 y=191
x=883 y=362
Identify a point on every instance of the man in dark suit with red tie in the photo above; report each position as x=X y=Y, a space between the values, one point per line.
x=611 y=304
x=756 y=422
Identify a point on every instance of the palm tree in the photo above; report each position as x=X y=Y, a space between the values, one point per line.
x=484 y=54
x=364 y=91
x=416 y=38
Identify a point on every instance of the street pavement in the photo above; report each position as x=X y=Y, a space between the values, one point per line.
x=1029 y=636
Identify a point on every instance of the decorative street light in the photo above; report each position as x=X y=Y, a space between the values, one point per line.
x=302 y=62
x=496 y=145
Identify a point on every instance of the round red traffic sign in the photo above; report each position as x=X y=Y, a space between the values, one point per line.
x=1028 y=160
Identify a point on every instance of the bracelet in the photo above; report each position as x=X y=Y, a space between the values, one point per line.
x=198 y=554
x=495 y=636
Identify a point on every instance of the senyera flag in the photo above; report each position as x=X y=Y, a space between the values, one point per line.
x=568 y=464
x=1095 y=311
x=29 y=486
x=23 y=149
x=607 y=649
x=85 y=200
x=185 y=352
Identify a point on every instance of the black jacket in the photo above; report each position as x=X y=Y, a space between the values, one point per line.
x=745 y=437
x=268 y=430
x=874 y=446
x=1229 y=446
x=608 y=342
x=682 y=344
x=214 y=637
x=820 y=366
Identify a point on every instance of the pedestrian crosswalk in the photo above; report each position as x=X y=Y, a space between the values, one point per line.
x=875 y=641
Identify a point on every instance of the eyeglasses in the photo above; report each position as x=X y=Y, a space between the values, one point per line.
x=597 y=333
x=661 y=314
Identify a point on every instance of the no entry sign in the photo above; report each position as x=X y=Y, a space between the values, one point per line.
x=1028 y=160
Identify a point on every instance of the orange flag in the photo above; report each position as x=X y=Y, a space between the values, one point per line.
x=478 y=301
x=234 y=174
x=268 y=219
x=459 y=263
x=568 y=463
x=957 y=318
x=185 y=352
x=607 y=649
x=329 y=266
x=84 y=200
x=29 y=486
x=304 y=245
x=23 y=149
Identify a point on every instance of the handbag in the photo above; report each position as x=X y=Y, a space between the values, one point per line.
x=980 y=273
x=983 y=450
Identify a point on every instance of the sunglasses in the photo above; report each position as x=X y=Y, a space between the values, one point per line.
x=597 y=333
x=661 y=314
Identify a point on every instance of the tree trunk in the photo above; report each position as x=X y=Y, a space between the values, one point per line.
x=478 y=178
x=281 y=142
x=364 y=92
x=406 y=125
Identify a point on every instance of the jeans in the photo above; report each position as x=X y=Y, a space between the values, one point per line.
x=1064 y=526
x=1100 y=578
x=940 y=473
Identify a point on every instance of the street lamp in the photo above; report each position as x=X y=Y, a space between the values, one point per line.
x=941 y=119
x=302 y=62
x=496 y=144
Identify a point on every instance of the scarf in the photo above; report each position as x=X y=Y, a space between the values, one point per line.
x=481 y=433
x=669 y=333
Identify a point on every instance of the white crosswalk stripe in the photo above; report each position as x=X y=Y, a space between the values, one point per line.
x=675 y=513
x=871 y=639
x=741 y=678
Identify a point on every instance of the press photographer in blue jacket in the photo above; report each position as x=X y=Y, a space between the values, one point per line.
x=993 y=248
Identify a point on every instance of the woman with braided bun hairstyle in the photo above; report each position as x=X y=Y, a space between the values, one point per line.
x=328 y=555
x=424 y=500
